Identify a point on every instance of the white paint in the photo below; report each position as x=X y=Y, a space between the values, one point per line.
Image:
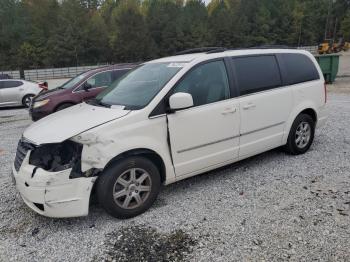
x=202 y=138
x=70 y=122
x=13 y=96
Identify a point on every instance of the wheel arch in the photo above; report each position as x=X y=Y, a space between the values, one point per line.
x=307 y=108
x=311 y=112
x=25 y=95
x=147 y=153
x=72 y=103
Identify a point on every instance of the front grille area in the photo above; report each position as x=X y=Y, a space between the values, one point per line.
x=22 y=149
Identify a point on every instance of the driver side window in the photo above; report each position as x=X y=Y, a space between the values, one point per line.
x=100 y=80
x=207 y=83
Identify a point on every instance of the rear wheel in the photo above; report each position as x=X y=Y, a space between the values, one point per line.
x=128 y=187
x=301 y=135
x=27 y=99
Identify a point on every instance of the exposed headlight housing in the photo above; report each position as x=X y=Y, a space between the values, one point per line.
x=57 y=157
x=41 y=103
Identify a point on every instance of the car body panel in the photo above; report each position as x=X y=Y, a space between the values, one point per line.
x=197 y=143
x=78 y=118
x=13 y=96
x=54 y=191
x=108 y=133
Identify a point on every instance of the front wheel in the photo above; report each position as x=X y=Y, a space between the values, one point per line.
x=301 y=135
x=128 y=187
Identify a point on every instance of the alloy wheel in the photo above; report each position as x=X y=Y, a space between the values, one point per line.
x=303 y=135
x=132 y=188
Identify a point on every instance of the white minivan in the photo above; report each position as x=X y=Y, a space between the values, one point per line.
x=167 y=120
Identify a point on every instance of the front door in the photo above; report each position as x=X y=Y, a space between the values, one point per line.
x=207 y=134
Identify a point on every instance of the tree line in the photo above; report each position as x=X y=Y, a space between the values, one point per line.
x=58 y=33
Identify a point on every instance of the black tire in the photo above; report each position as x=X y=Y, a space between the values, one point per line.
x=26 y=100
x=63 y=106
x=292 y=147
x=107 y=183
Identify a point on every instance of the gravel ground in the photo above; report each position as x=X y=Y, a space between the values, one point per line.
x=269 y=207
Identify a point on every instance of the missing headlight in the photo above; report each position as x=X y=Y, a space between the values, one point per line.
x=57 y=157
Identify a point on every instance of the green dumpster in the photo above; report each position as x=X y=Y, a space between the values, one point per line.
x=329 y=65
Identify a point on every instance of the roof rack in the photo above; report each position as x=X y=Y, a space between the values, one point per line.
x=202 y=50
x=211 y=50
x=272 y=47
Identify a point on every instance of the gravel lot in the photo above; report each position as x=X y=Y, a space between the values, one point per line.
x=270 y=207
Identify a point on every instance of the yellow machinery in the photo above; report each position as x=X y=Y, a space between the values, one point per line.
x=325 y=48
x=329 y=46
x=346 y=46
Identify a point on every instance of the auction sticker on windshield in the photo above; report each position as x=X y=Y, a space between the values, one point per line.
x=178 y=65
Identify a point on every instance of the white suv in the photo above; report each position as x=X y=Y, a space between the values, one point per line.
x=167 y=120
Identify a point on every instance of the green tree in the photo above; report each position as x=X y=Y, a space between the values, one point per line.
x=194 y=23
x=165 y=25
x=129 y=38
x=345 y=26
x=69 y=38
x=221 y=24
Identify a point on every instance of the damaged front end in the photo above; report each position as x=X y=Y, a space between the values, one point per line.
x=60 y=156
x=50 y=180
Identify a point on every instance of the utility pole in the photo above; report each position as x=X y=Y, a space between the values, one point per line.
x=327 y=20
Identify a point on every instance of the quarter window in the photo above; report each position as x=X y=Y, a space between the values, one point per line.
x=298 y=69
x=206 y=83
x=257 y=73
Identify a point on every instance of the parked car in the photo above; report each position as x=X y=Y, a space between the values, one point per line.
x=78 y=89
x=16 y=92
x=5 y=76
x=167 y=120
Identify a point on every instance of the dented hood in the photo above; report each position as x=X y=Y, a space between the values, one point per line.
x=70 y=122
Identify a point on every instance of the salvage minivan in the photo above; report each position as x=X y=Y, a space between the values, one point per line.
x=167 y=120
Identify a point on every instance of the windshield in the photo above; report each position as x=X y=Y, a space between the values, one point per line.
x=137 y=88
x=72 y=82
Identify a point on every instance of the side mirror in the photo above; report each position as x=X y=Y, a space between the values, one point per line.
x=180 y=101
x=87 y=86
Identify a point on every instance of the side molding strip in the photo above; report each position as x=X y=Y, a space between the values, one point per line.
x=229 y=138
x=208 y=144
x=261 y=129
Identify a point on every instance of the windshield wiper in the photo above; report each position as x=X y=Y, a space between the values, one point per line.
x=96 y=102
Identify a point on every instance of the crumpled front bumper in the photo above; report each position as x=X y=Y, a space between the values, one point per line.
x=53 y=194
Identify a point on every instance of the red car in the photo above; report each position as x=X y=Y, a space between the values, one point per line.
x=80 y=88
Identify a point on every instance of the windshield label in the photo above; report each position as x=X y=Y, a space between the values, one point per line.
x=177 y=65
x=117 y=107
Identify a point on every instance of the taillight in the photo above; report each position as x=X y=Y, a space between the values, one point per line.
x=325 y=93
x=43 y=86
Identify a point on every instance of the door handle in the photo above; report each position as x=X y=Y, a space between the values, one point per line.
x=229 y=111
x=249 y=106
x=21 y=89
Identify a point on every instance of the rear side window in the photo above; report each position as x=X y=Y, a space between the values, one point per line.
x=10 y=84
x=298 y=69
x=257 y=73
